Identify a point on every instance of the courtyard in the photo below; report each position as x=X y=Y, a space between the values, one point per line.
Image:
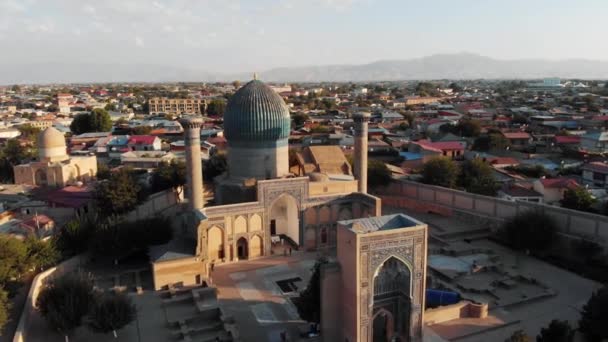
x=256 y=294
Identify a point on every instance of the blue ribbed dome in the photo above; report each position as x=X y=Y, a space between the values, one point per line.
x=256 y=113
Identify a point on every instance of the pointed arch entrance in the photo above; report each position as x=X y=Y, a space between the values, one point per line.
x=284 y=218
x=392 y=301
x=242 y=248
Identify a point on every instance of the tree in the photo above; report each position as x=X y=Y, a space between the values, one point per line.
x=557 y=331
x=455 y=87
x=492 y=141
x=97 y=120
x=29 y=132
x=478 y=177
x=216 y=107
x=440 y=171
x=595 y=315
x=65 y=300
x=141 y=130
x=13 y=256
x=110 y=106
x=111 y=312
x=41 y=254
x=215 y=166
x=309 y=302
x=103 y=171
x=13 y=153
x=409 y=117
x=5 y=306
x=578 y=199
x=117 y=195
x=518 y=336
x=169 y=175
x=377 y=174
x=468 y=127
x=530 y=230
x=299 y=119
x=74 y=236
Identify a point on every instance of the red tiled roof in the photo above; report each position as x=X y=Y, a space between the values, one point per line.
x=141 y=140
x=520 y=191
x=516 y=135
x=559 y=183
x=36 y=220
x=567 y=139
x=596 y=167
x=441 y=145
x=71 y=196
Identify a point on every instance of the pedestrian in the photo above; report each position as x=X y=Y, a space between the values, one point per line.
x=283 y=336
x=212 y=266
x=289 y=251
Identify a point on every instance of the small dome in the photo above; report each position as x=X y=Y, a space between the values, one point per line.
x=50 y=138
x=256 y=113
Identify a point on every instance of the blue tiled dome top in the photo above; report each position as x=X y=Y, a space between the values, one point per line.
x=256 y=113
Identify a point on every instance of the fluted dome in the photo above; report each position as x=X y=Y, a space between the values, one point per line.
x=51 y=138
x=256 y=113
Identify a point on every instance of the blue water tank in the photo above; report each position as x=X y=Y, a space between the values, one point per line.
x=436 y=298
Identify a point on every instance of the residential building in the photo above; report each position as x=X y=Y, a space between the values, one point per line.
x=516 y=192
x=176 y=106
x=595 y=173
x=553 y=189
x=595 y=142
x=144 y=143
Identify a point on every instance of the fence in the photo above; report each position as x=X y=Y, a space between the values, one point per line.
x=449 y=202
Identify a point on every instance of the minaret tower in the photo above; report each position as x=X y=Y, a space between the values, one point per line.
x=192 y=135
x=361 y=132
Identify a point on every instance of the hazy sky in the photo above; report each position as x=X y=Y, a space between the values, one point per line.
x=233 y=35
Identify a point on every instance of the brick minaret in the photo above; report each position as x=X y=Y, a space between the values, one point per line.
x=192 y=137
x=361 y=123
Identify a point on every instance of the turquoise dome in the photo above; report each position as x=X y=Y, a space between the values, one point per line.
x=256 y=113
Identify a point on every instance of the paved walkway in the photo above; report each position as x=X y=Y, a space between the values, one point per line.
x=248 y=291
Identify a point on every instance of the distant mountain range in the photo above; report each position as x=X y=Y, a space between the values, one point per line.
x=443 y=66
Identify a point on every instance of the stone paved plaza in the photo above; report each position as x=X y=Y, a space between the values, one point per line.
x=249 y=292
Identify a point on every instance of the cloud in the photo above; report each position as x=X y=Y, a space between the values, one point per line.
x=89 y=9
x=12 y=6
x=139 y=41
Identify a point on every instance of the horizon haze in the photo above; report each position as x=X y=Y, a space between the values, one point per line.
x=228 y=38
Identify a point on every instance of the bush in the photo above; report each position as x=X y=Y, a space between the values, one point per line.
x=440 y=171
x=595 y=316
x=557 y=331
x=530 y=230
x=5 y=306
x=111 y=312
x=64 y=301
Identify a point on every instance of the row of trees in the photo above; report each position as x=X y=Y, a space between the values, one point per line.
x=18 y=258
x=98 y=120
x=108 y=238
x=68 y=301
x=473 y=175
